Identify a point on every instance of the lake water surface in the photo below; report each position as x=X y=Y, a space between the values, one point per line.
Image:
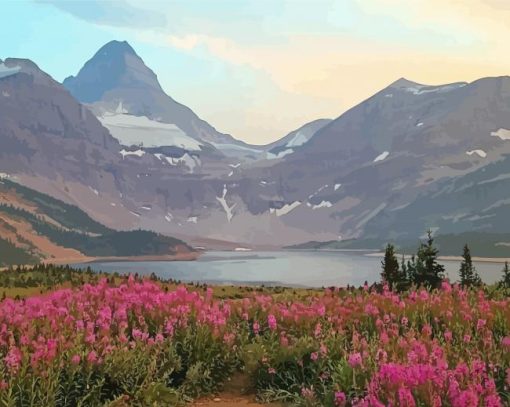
x=289 y=268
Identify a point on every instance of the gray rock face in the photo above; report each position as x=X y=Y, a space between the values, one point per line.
x=126 y=94
x=408 y=158
x=295 y=139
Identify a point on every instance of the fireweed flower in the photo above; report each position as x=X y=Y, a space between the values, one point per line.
x=340 y=399
x=92 y=357
x=355 y=360
x=271 y=322
x=417 y=364
x=480 y=324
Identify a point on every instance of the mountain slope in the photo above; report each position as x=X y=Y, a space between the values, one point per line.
x=363 y=175
x=35 y=226
x=384 y=153
x=295 y=139
x=126 y=96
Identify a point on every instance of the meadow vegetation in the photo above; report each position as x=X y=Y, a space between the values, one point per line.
x=79 y=338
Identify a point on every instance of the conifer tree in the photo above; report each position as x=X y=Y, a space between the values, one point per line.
x=390 y=272
x=468 y=275
x=505 y=281
x=426 y=271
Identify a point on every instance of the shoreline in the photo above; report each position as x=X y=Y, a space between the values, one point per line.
x=189 y=256
x=182 y=256
x=496 y=260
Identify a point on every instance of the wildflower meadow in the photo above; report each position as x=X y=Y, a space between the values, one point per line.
x=135 y=343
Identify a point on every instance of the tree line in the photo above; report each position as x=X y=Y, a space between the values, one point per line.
x=424 y=270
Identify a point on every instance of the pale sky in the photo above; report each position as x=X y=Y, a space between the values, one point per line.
x=258 y=69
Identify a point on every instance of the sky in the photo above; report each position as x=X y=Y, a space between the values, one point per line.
x=258 y=69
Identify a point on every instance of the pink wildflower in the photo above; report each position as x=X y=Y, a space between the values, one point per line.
x=340 y=399
x=355 y=360
x=271 y=322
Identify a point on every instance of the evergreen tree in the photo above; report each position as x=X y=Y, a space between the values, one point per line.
x=425 y=270
x=390 y=272
x=403 y=266
x=403 y=276
x=505 y=281
x=468 y=275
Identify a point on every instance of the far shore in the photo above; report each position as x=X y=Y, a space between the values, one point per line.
x=187 y=256
x=501 y=260
x=181 y=256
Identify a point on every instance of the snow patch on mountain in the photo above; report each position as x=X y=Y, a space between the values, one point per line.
x=381 y=156
x=323 y=204
x=191 y=162
x=423 y=89
x=281 y=154
x=140 y=130
x=503 y=134
x=478 y=152
x=337 y=186
x=5 y=71
x=298 y=140
x=285 y=209
x=192 y=219
x=137 y=153
x=222 y=200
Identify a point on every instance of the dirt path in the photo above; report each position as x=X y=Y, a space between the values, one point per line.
x=236 y=394
x=229 y=400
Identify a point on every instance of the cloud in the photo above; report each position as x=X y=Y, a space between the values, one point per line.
x=115 y=13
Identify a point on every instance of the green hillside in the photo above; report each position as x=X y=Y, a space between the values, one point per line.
x=481 y=244
x=77 y=231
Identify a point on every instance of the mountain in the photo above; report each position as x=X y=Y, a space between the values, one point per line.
x=389 y=168
x=127 y=98
x=393 y=149
x=295 y=139
x=36 y=227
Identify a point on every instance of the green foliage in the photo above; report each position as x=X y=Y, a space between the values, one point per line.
x=46 y=276
x=390 y=269
x=69 y=216
x=110 y=243
x=468 y=275
x=424 y=269
x=505 y=280
x=11 y=254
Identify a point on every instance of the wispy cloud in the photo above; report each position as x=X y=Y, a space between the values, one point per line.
x=115 y=13
x=302 y=59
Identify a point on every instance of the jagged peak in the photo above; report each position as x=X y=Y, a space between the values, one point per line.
x=405 y=83
x=114 y=64
x=116 y=47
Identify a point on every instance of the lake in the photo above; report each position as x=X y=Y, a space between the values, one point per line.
x=289 y=268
